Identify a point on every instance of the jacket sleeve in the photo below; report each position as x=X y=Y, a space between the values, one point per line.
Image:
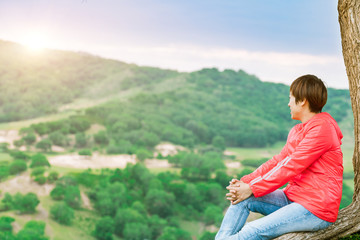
x=266 y=167
x=315 y=143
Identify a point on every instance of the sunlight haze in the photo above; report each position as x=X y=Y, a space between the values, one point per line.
x=276 y=42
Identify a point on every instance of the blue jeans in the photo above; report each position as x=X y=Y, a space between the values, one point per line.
x=281 y=216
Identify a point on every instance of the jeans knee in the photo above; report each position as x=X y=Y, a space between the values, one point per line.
x=251 y=231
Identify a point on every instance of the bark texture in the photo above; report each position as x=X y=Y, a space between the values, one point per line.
x=348 y=221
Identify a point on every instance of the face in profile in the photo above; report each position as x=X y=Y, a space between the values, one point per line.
x=295 y=108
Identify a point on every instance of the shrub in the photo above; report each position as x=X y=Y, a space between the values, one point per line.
x=19 y=143
x=25 y=203
x=58 y=138
x=53 y=176
x=213 y=215
x=136 y=231
x=5 y=224
x=37 y=171
x=4 y=171
x=40 y=180
x=142 y=154
x=17 y=166
x=29 y=139
x=81 y=140
x=219 y=142
x=44 y=145
x=85 y=152
x=101 y=138
x=104 y=228
x=19 y=155
x=62 y=213
x=32 y=230
x=39 y=160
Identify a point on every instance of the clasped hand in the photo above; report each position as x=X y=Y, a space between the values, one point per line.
x=238 y=191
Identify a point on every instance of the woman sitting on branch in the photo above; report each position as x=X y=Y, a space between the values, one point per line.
x=311 y=163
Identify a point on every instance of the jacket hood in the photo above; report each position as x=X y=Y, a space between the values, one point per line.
x=327 y=117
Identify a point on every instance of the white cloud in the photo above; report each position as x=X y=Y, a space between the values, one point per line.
x=268 y=66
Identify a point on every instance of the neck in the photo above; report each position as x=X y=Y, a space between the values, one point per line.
x=307 y=116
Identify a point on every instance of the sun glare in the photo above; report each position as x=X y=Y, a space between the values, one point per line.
x=35 y=42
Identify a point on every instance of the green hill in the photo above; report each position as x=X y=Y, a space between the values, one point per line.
x=144 y=105
x=37 y=84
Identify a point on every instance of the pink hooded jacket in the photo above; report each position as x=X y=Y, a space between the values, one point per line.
x=311 y=163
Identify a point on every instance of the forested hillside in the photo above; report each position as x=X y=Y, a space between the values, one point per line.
x=37 y=84
x=184 y=108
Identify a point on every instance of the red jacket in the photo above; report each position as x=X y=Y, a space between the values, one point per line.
x=311 y=163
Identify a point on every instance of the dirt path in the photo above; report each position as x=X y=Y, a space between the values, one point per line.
x=95 y=161
x=24 y=184
x=9 y=136
x=85 y=201
x=98 y=161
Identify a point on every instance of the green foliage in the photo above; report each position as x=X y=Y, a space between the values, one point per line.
x=29 y=139
x=62 y=213
x=19 y=155
x=136 y=231
x=208 y=236
x=72 y=196
x=7 y=202
x=104 y=229
x=347 y=194
x=44 y=144
x=58 y=138
x=213 y=215
x=5 y=224
x=126 y=216
x=159 y=202
x=198 y=167
x=4 y=147
x=19 y=143
x=4 y=170
x=37 y=171
x=222 y=178
x=32 y=230
x=122 y=147
x=81 y=140
x=244 y=171
x=348 y=175
x=156 y=226
x=38 y=160
x=110 y=198
x=17 y=166
x=67 y=189
x=40 y=179
x=85 y=152
x=142 y=154
x=173 y=233
x=101 y=138
x=25 y=203
x=186 y=109
x=219 y=142
x=52 y=177
x=355 y=236
x=255 y=163
x=58 y=193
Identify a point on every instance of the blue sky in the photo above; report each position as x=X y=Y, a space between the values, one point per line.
x=275 y=40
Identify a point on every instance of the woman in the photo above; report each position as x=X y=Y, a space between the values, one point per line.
x=311 y=164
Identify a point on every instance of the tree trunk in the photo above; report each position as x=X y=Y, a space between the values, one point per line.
x=348 y=220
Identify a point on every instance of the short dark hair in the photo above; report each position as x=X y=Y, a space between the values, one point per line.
x=312 y=89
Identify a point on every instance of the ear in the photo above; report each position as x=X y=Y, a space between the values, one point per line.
x=304 y=102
